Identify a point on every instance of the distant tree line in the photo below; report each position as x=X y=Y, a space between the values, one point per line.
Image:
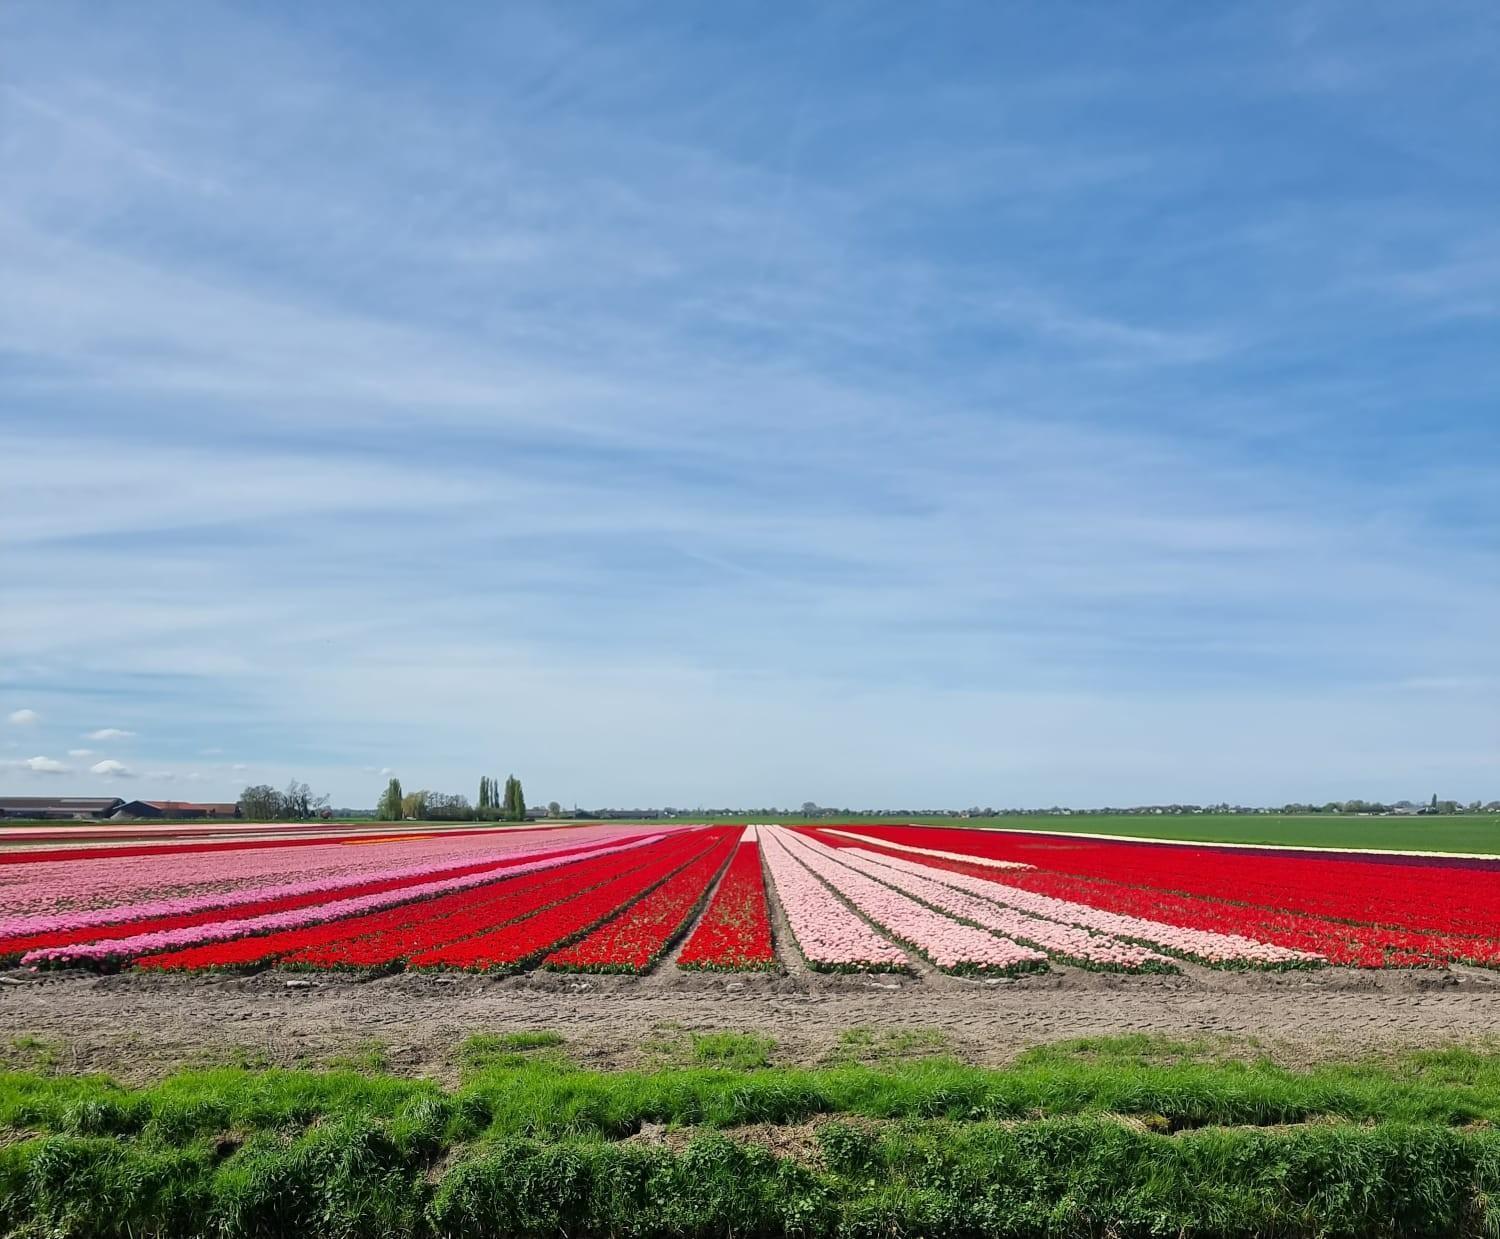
x=263 y=803
x=496 y=804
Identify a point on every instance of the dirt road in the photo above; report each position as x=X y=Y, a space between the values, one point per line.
x=138 y=1026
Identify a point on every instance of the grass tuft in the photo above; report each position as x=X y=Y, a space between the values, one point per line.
x=741 y=1051
x=873 y=1045
x=490 y=1051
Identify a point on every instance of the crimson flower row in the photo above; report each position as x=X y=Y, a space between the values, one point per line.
x=516 y=945
x=635 y=938
x=735 y=933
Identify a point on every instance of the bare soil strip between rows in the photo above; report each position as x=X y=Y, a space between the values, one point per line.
x=140 y=1025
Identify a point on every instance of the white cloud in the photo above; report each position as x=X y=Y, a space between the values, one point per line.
x=80 y=752
x=159 y=776
x=44 y=765
x=111 y=769
x=109 y=733
x=386 y=771
x=212 y=752
x=23 y=718
x=239 y=765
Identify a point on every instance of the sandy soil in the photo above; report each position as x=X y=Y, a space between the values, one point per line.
x=138 y=1026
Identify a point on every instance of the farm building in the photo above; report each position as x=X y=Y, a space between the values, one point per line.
x=59 y=808
x=175 y=809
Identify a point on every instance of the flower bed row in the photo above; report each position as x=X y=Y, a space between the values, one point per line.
x=112 y=953
x=306 y=894
x=830 y=936
x=395 y=934
x=948 y=943
x=45 y=898
x=633 y=940
x=516 y=945
x=982 y=861
x=735 y=933
x=1202 y=946
x=1067 y=943
x=1359 y=946
x=1393 y=895
x=156 y=850
x=437 y=923
x=1321 y=938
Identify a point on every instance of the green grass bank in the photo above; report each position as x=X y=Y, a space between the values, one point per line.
x=1120 y=1137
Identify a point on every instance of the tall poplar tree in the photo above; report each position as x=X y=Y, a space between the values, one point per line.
x=515 y=800
x=389 y=808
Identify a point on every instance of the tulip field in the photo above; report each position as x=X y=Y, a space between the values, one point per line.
x=631 y=898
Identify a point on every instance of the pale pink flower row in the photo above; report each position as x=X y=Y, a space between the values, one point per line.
x=1069 y=941
x=946 y=942
x=827 y=933
x=984 y=861
x=218 y=931
x=108 y=899
x=1200 y=944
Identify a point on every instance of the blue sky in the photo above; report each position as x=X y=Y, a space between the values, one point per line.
x=737 y=404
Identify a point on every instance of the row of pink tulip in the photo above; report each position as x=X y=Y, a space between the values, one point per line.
x=1068 y=943
x=119 y=949
x=829 y=935
x=77 y=894
x=73 y=883
x=84 y=882
x=1202 y=945
x=983 y=861
x=329 y=879
x=948 y=943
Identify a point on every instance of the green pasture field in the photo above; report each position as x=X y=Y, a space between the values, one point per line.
x=1476 y=832
x=1122 y=1137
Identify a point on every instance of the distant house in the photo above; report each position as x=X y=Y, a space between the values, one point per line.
x=174 y=809
x=59 y=808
